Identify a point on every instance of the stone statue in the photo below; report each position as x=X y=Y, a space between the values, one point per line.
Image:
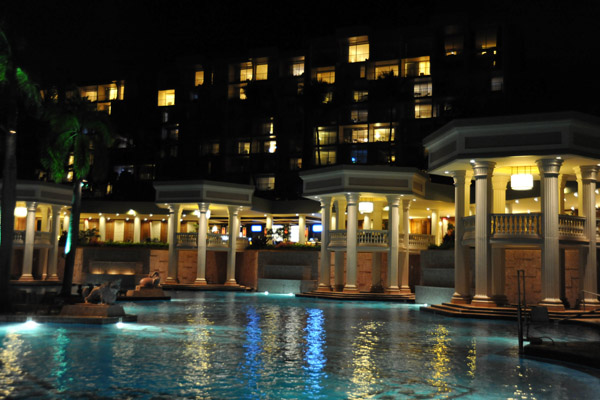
x=105 y=293
x=151 y=281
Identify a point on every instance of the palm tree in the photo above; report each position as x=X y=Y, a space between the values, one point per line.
x=17 y=92
x=78 y=131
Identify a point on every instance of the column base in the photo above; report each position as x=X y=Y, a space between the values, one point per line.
x=26 y=278
x=552 y=304
x=483 y=301
x=376 y=289
x=52 y=278
x=460 y=299
x=231 y=282
x=589 y=304
x=405 y=290
x=392 y=290
x=171 y=280
x=350 y=289
x=200 y=281
x=323 y=288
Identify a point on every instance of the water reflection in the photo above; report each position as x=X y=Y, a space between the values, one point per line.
x=366 y=373
x=472 y=358
x=440 y=361
x=314 y=356
x=252 y=366
x=10 y=356
x=61 y=362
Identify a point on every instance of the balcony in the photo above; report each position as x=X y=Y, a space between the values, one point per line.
x=377 y=240
x=526 y=228
x=214 y=242
x=41 y=239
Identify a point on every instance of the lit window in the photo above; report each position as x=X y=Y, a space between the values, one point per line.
x=422 y=89
x=90 y=92
x=246 y=72
x=199 y=78
x=243 y=147
x=383 y=134
x=359 y=115
x=416 y=66
x=298 y=68
x=327 y=76
x=325 y=136
x=112 y=92
x=361 y=95
x=262 y=72
x=104 y=107
x=270 y=146
x=360 y=135
x=214 y=148
x=497 y=84
x=265 y=183
x=384 y=70
x=486 y=39
x=267 y=128
x=328 y=97
x=324 y=157
x=358 y=50
x=166 y=97
x=453 y=45
x=242 y=93
x=295 y=164
x=423 y=110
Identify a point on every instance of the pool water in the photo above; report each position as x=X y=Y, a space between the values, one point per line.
x=210 y=345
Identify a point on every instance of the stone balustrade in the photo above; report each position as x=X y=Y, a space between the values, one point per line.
x=418 y=241
x=40 y=238
x=214 y=241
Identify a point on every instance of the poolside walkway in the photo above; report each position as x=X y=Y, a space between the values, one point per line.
x=363 y=296
x=209 y=287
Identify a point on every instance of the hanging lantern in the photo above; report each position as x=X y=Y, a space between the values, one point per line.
x=521 y=180
x=365 y=207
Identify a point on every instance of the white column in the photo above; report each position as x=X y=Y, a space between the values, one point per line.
x=435 y=227
x=54 y=235
x=137 y=228
x=324 y=270
x=549 y=169
x=483 y=255
x=234 y=228
x=269 y=225
x=65 y=225
x=462 y=272
x=589 y=271
x=562 y=183
x=29 y=243
x=340 y=221
x=351 y=242
x=172 y=239
x=377 y=221
x=393 y=238
x=403 y=277
x=202 y=235
x=499 y=184
x=102 y=228
x=301 y=229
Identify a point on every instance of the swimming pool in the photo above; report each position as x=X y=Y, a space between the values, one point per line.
x=211 y=345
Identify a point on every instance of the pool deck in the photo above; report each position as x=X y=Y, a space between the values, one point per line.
x=61 y=319
x=209 y=287
x=361 y=296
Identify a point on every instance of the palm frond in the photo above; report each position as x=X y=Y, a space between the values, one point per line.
x=28 y=91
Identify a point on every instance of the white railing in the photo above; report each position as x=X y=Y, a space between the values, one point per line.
x=418 y=241
x=516 y=225
x=372 y=238
x=215 y=240
x=571 y=227
x=19 y=237
x=468 y=227
x=40 y=238
x=189 y=239
x=337 y=238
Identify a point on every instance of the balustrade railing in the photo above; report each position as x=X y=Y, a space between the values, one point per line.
x=504 y=225
x=468 y=227
x=39 y=237
x=19 y=236
x=187 y=239
x=372 y=238
x=571 y=227
x=418 y=241
x=337 y=238
x=213 y=240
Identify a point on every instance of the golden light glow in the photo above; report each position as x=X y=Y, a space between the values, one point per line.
x=262 y=72
x=246 y=72
x=381 y=71
x=326 y=76
x=440 y=362
x=419 y=66
x=20 y=212
x=166 y=97
x=358 y=52
x=199 y=78
x=365 y=372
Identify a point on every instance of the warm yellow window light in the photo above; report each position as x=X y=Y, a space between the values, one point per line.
x=166 y=97
x=245 y=72
x=199 y=78
x=20 y=212
x=522 y=179
x=262 y=72
x=358 y=52
x=326 y=76
x=365 y=207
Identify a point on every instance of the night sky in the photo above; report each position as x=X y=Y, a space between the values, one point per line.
x=73 y=39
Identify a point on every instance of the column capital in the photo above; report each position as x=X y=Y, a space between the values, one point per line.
x=203 y=207
x=587 y=172
x=325 y=200
x=352 y=198
x=173 y=208
x=393 y=200
x=499 y=182
x=406 y=204
x=549 y=166
x=233 y=210
x=31 y=206
x=461 y=177
x=483 y=169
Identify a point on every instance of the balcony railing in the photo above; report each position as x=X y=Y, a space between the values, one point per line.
x=213 y=241
x=418 y=241
x=571 y=228
x=379 y=238
x=516 y=225
x=40 y=238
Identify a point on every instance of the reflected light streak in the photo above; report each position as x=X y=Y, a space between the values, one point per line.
x=314 y=356
x=253 y=365
x=365 y=373
x=472 y=358
x=440 y=362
